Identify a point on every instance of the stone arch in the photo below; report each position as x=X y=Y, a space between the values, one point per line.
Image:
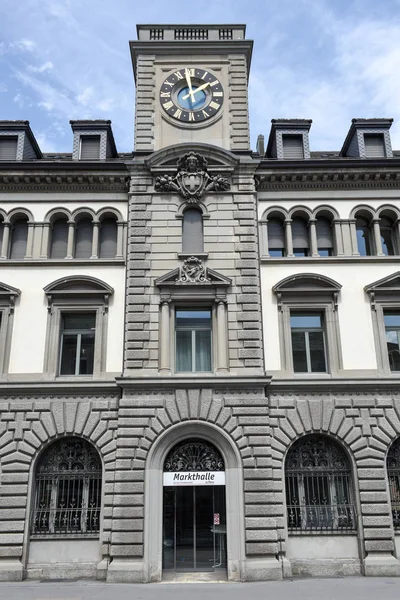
x=154 y=494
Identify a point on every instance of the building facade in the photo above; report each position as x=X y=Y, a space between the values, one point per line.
x=199 y=343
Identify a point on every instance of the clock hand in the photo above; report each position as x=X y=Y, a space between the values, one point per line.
x=196 y=90
x=189 y=82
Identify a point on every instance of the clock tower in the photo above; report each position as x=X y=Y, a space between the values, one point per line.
x=191 y=86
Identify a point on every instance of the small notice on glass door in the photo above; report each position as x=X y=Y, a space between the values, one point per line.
x=216 y=519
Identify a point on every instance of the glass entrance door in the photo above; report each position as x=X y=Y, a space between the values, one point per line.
x=194 y=528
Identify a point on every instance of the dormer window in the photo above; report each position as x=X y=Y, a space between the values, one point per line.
x=8 y=147
x=90 y=147
x=374 y=145
x=292 y=146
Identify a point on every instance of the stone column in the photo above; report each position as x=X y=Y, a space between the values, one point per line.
x=338 y=238
x=222 y=337
x=312 y=223
x=6 y=240
x=71 y=239
x=264 y=238
x=288 y=237
x=165 y=353
x=44 y=249
x=120 y=240
x=377 y=238
x=29 y=240
x=353 y=234
x=95 y=240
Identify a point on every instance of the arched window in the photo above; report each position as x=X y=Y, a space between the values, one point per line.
x=300 y=237
x=19 y=236
x=276 y=237
x=83 y=238
x=59 y=238
x=324 y=237
x=387 y=236
x=363 y=236
x=192 y=231
x=318 y=486
x=393 y=469
x=67 y=497
x=108 y=238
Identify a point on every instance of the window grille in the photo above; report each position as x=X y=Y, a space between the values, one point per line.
x=319 y=488
x=194 y=455
x=393 y=469
x=67 y=490
x=191 y=34
x=156 y=34
x=225 y=34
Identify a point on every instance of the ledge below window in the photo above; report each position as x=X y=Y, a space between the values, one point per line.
x=328 y=259
x=55 y=262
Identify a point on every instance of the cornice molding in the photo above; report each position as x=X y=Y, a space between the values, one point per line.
x=64 y=180
x=49 y=389
x=173 y=383
x=352 y=386
x=329 y=177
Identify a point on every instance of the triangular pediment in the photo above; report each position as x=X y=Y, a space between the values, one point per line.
x=8 y=290
x=207 y=278
x=386 y=284
x=307 y=282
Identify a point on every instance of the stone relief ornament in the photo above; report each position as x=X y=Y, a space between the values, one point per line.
x=192 y=179
x=193 y=271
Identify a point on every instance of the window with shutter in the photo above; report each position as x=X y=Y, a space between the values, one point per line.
x=59 y=239
x=90 y=147
x=374 y=145
x=192 y=234
x=19 y=236
x=83 y=239
x=276 y=238
x=108 y=238
x=363 y=236
x=300 y=237
x=292 y=146
x=324 y=237
x=8 y=147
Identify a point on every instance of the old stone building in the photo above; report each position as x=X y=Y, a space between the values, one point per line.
x=199 y=343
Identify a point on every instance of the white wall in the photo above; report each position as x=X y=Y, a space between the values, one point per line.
x=354 y=310
x=30 y=316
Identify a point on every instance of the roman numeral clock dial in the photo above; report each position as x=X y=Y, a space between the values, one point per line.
x=191 y=95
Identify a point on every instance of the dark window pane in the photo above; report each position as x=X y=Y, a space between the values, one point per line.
x=59 y=239
x=108 y=238
x=184 y=351
x=68 y=354
x=392 y=342
x=300 y=251
x=192 y=318
x=203 y=350
x=305 y=321
x=276 y=252
x=192 y=234
x=363 y=241
x=387 y=242
x=79 y=321
x=325 y=251
x=83 y=239
x=392 y=320
x=317 y=351
x=299 y=352
x=87 y=354
x=19 y=236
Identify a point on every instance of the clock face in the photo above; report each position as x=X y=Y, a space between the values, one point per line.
x=191 y=95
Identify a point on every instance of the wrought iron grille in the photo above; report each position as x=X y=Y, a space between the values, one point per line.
x=319 y=488
x=393 y=469
x=156 y=34
x=191 y=34
x=225 y=34
x=194 y=455
x=67 y=490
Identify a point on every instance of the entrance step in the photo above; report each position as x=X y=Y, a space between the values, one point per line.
x=198 y=577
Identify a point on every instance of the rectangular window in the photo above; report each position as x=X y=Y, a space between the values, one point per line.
x=77 y=343
x=374 y=145
x=392 y=330
x=90 y=147
x=292 y=146
x=193 y=340
x=8 y=147
x=308 y=344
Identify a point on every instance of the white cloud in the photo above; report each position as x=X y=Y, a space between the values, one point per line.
x=47 y=66
x=23 y=45
x=85 y=96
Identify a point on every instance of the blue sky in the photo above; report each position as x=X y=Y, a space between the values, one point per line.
x=328 y=60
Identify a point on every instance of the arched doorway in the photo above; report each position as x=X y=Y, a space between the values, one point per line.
x=194 y=509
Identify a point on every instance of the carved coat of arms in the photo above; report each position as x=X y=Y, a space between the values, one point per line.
x=192 y=179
